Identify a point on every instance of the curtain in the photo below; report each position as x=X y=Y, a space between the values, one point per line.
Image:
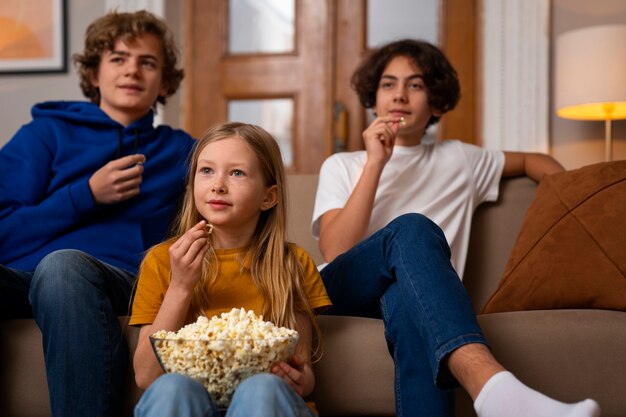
x=515 y=75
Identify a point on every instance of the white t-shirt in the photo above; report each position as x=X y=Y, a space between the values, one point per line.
x=445 y=181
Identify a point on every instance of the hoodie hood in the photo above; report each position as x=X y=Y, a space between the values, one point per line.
x=91 y=116
x=79 y=112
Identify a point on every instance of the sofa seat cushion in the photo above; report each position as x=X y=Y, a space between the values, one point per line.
x=367 y=360
x=571 y=250
x=568 y=354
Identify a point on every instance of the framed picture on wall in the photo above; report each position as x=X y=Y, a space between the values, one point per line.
x=33 y=36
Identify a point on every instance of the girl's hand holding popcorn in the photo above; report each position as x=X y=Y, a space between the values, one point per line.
x=186 y=256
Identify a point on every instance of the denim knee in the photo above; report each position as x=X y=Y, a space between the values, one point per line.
x=176 y=386
x=266 y=395
x=60 y=259
x=415 y=227
x=175 y=394
x=412 y=223
x=262 y=386
x=58 y=274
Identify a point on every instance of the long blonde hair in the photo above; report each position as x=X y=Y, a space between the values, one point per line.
x=273 y=262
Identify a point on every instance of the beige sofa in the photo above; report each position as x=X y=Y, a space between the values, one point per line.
x=568 y=354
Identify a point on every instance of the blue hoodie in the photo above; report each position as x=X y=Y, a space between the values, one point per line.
x=45 y=200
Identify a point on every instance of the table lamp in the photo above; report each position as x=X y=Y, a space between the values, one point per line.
x=591 y=76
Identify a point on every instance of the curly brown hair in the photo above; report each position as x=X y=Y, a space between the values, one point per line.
x=101 y=36
x=439 y=76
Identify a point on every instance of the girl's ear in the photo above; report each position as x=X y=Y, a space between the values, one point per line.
x=271 y=198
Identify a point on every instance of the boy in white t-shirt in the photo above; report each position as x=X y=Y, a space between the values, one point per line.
x=393 y=221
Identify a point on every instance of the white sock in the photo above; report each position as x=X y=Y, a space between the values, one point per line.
x=504 y=395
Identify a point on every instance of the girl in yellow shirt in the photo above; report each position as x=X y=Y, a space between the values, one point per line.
x=229 y=251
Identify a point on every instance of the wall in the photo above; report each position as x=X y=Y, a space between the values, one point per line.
x=19 y=93
x=578 y=143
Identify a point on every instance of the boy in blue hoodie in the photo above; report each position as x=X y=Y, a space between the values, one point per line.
x=85 y=189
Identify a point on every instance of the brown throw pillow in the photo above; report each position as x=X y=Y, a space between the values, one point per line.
x=571 y=250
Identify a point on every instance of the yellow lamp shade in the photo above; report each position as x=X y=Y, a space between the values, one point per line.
x=594 y=111
x=591 y=73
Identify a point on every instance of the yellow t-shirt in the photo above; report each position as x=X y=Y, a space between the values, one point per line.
x=231 y=289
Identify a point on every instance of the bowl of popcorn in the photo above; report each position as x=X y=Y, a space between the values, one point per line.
x=222 y=351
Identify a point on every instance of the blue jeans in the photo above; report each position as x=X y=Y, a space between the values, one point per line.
x=403 y=272
x=261 y=395
x=75 y=301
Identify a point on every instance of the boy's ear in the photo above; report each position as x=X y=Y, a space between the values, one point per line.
x=271 y=198
x=94 y=79
x=163 y=90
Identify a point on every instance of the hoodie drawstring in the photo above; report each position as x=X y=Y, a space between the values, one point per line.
x=120 y=143
x=136 y=142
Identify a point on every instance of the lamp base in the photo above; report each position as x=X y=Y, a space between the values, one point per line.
x=608 y=144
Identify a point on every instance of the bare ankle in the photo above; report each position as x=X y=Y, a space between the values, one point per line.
x=472 y=365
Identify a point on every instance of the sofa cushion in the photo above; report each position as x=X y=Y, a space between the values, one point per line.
x=571 y=250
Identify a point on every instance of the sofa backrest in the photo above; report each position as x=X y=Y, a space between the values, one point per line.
x=301 y=191
x=494 y=230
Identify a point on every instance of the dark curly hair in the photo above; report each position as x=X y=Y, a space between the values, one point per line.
x=101 y=36
x=439 y=76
